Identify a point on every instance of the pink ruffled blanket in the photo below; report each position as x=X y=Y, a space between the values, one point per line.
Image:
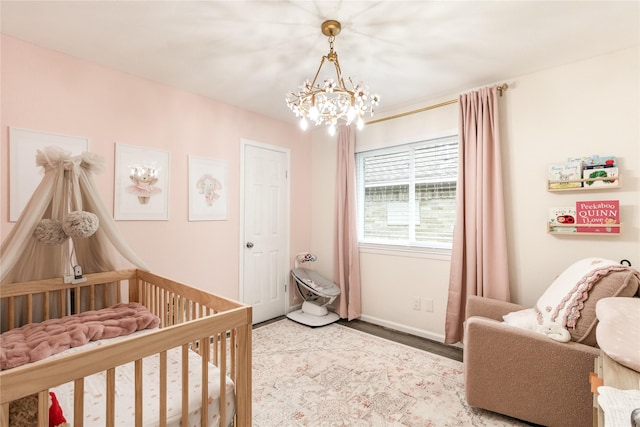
x=564 y=300
x=37 y=341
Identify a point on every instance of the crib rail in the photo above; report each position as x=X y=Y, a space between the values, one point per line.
x=218 y=329
x=40 y=300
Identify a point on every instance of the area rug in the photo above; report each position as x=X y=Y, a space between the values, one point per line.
x=337 y=376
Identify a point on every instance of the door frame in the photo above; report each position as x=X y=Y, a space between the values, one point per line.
x=286 y=265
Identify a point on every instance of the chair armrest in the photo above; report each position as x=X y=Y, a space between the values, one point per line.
x=526 y=375
x=490 y=308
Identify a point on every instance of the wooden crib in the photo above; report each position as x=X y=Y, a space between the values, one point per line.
x=191 y=320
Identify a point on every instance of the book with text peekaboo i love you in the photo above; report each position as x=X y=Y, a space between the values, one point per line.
x=598 y=216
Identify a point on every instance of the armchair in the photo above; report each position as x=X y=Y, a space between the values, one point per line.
x=525 y=374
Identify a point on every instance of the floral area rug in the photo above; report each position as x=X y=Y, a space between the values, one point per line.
x=337 y=376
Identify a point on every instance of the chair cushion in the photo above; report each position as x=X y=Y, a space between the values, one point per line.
x=571 y=299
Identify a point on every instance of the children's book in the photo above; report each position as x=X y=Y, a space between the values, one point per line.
x=601 y=216
x=601 y=177
x=562 y=219
x=565 y=175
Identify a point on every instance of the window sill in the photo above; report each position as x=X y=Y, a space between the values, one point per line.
x=405 y=251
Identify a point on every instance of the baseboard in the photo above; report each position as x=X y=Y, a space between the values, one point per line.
x=294 y=307
x=403 y=328
x=398 y=327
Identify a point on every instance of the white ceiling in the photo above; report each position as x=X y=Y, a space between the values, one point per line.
x=252 y=53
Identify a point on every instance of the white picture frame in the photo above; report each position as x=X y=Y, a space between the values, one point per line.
x=208 y=189
x=24 y=174
x=141 y=184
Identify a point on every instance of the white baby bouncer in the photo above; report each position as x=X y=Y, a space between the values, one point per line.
x=317 y=293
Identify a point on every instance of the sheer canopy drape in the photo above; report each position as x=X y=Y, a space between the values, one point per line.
x=67 y=186
x=347 y=262
x=479 y=254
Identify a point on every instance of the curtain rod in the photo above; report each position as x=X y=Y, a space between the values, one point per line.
x=503 y=87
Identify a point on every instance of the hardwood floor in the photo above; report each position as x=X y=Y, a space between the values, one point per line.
x=431 y=346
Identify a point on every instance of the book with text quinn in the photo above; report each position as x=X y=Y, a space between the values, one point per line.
x=601 y=216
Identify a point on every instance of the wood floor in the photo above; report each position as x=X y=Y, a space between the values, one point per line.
x=435 y=347
x=431 y=346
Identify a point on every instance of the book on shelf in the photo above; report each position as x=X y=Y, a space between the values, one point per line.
x=601 y=216
x=565 y=175
x=600 y=177
x=561 y=219
x=595 y=161
x=585 y=160
x=601 y=162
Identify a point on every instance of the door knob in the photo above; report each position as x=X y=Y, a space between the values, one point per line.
x=249 y=245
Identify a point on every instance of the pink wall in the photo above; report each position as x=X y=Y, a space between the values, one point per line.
x=48 y=91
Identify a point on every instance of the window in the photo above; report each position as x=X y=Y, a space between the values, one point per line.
x=407 y=194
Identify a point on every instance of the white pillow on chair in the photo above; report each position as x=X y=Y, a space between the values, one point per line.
x=525 y=319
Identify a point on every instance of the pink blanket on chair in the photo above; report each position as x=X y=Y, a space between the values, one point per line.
x=37 y=341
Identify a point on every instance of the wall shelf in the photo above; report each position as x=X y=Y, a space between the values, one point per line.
x=555 y=229
x=615 y=185
x=568 y=226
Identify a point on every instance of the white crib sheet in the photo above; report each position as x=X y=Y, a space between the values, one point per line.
x=95 y=402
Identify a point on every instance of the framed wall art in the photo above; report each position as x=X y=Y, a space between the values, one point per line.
x=24 y=174
x=208 y=186
x=141 y=183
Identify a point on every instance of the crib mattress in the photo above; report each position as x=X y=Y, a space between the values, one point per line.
x=95 y=402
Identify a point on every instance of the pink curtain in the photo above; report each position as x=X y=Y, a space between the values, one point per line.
x=479 y=254
x=346 y=271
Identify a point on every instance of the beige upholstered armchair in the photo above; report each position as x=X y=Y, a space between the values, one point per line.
x=526 y=375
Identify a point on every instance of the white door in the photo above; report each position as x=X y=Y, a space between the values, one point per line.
x=265 y=225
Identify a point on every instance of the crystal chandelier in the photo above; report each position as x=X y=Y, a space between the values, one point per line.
x=331 y=101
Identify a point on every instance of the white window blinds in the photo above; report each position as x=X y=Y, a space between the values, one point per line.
x=419 y=178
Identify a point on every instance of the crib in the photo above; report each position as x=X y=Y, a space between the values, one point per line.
x=192 y=322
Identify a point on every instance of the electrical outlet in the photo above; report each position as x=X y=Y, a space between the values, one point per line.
x=416 y=303
x=427 y=303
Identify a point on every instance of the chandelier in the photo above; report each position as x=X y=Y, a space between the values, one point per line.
x=331 y=102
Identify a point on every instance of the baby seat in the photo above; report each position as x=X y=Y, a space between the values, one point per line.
x=316 y=291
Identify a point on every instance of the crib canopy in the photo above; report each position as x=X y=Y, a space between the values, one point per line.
x=67 y=187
